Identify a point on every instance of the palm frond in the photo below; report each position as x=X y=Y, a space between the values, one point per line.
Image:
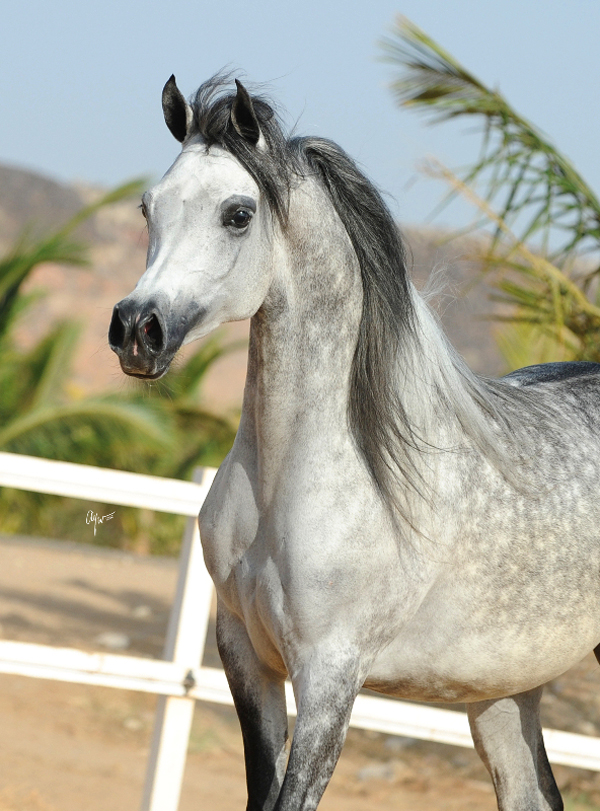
x=98 y=431
x=534 y=292
x=22 y=259
x=189 y=377
x=49 y=364
x=132 y=188
x=432 y=78
x=58 y=247
x=523 y=172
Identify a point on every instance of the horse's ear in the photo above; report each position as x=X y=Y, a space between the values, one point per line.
x=243 y=116
x=176 y=110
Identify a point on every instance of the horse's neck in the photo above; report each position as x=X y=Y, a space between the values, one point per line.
x=302 y=343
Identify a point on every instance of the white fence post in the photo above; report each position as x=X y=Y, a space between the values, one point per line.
x=184 y=644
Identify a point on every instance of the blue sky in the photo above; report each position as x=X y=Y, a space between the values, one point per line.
x=80 y=82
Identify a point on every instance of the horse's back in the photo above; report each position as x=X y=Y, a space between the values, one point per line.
x=553 y=373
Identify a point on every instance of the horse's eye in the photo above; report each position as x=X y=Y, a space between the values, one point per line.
x=144 y=211
x=240 y=219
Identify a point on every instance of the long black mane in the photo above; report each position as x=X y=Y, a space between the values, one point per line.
x=389 y=330
x=376 y=416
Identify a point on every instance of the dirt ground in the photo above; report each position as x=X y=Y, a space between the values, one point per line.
x=68 y=747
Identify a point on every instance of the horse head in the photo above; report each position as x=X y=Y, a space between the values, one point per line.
x=209 y=255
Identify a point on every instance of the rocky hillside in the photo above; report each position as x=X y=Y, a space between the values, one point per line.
x=117 y=238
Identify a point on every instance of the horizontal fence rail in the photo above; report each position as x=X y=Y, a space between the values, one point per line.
x=209 y=684
x=103 y=485
x=178 y=678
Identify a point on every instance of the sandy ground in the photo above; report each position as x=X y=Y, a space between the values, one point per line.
x=78 y=748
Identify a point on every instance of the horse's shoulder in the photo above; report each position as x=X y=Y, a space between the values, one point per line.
x=553 y=373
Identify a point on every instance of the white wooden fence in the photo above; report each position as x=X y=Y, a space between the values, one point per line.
x=179 y=679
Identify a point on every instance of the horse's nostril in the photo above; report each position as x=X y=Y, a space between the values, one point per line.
x=152 y=334
x=116 y=331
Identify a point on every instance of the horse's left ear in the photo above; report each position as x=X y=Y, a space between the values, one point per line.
x=244 y=118
x=176 y=110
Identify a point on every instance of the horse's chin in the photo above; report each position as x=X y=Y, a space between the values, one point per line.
x=154 y=372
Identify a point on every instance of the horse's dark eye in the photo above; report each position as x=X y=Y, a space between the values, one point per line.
x=240 y=219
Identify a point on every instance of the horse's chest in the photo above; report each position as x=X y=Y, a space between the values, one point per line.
x=229 y=524
x=297 y=573
x=249 y=583
x=239 y=556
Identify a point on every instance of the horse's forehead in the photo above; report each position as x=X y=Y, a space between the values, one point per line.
x=215 y=171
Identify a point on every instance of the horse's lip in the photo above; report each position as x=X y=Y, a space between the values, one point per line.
x=145 y=377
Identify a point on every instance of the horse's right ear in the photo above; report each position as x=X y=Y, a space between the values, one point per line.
x=176 y=110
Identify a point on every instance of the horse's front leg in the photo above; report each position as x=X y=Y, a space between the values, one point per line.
x=259 y=698
x=508 y=738
x=325 y=690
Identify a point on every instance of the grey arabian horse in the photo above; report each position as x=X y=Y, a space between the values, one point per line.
x=385 y=518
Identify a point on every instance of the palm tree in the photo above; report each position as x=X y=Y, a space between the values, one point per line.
x=531 y=192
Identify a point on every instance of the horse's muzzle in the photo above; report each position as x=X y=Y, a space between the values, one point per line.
x=139 y=338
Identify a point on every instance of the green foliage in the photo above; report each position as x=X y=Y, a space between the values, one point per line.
x=532 y=191
x=160 y=428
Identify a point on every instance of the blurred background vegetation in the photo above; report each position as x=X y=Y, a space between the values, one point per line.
x=540 y=250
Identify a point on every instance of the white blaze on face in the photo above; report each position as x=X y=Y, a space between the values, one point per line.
x=208 y=247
